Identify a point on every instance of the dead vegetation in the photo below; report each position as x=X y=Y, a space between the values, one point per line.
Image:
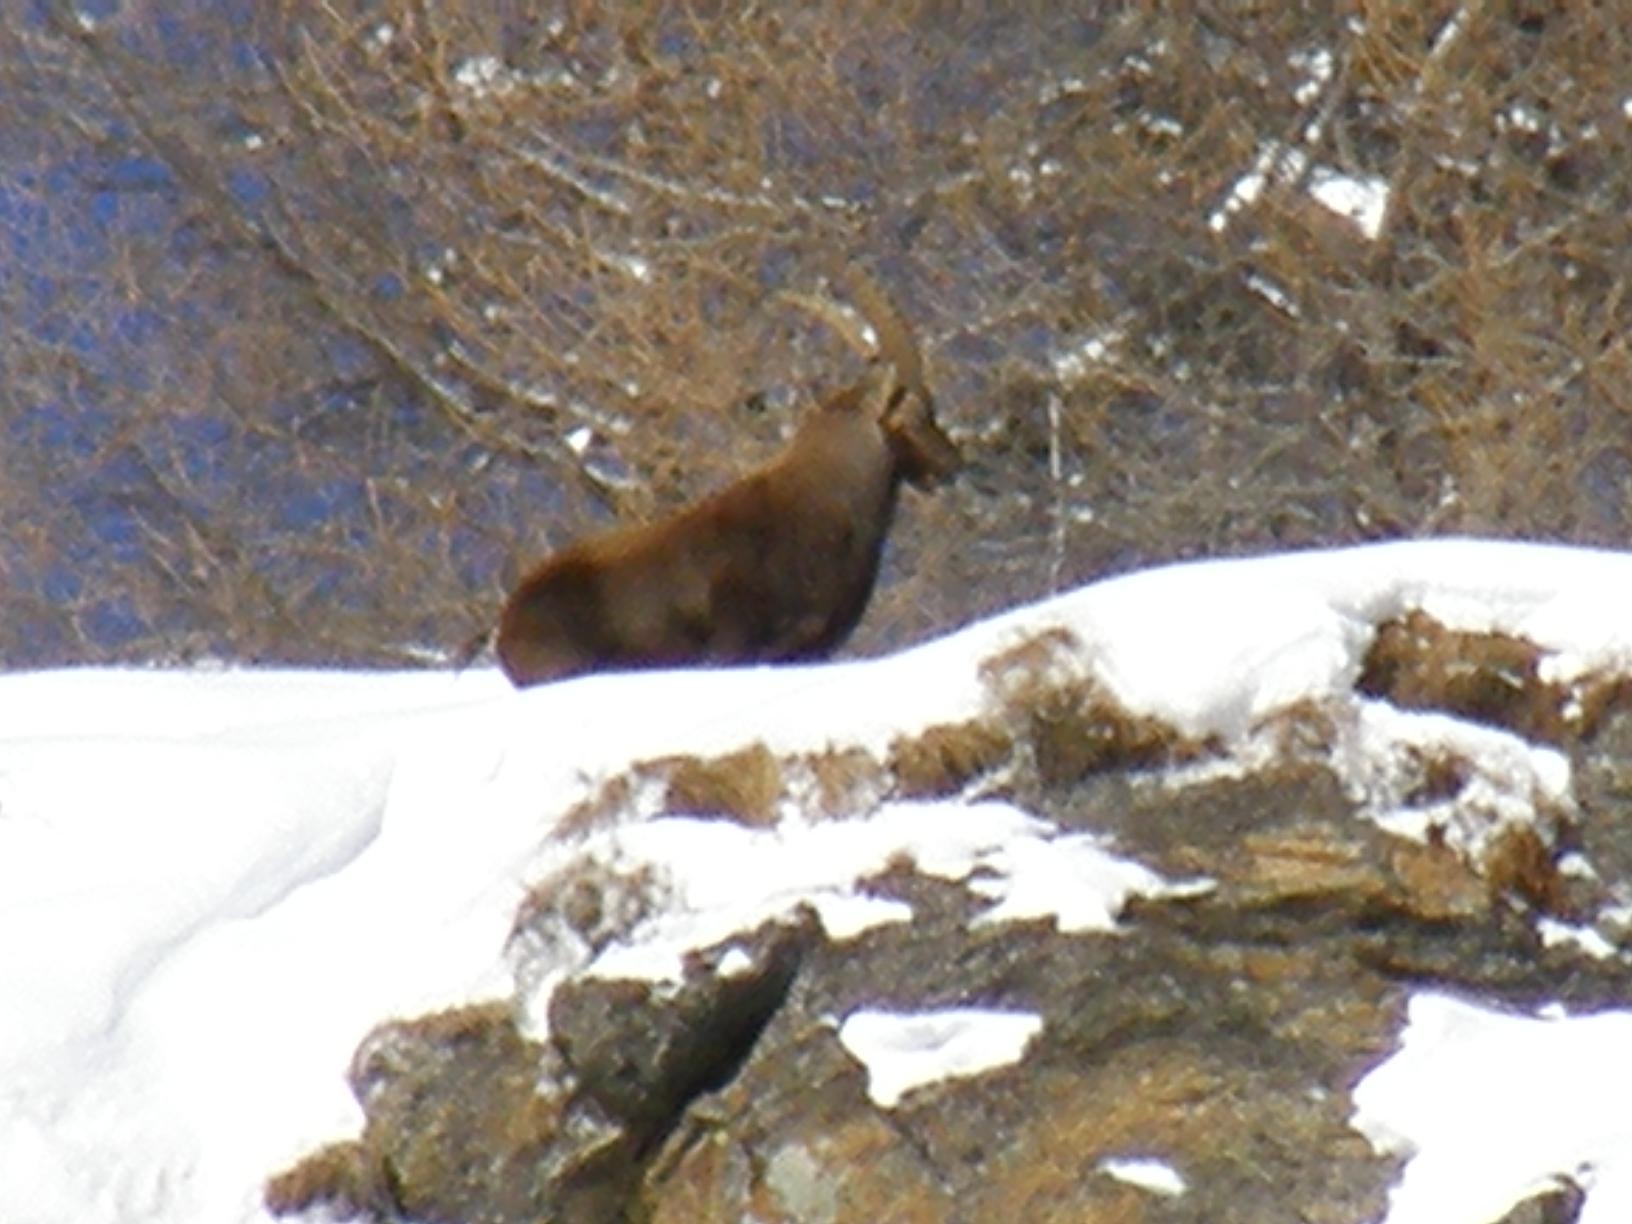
x=1495 y=678
x=743 y=786
x=1042 y=713
x=1072 y=727
x=941 y=760
x=321 y=322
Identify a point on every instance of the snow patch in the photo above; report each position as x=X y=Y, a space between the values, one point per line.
x=699 y=867
x=1583 y=938
x=1072 y=879
x=1078 y=356
x=1317 y=66
x=1509 y=780
x=1488 y=1108
x=1362 y=199
x=1156 y=1176
x=906 y=1050
x=1273 y=294
x=484 y=76
x=735 y=963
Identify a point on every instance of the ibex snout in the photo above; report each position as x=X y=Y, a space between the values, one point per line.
x=924 y=455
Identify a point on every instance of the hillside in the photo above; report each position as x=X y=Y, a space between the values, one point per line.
x=1288 y=888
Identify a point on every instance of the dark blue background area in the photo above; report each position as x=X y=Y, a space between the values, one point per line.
x=133 y=458
x=319 y=399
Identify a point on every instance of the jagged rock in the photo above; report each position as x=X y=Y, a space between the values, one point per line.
x=1220 y=1032
x=1560 y=1203
x=1217 y=1032
x=642 y=1053
x=457 y=1132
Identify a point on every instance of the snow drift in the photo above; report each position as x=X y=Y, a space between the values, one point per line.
x=213 y=884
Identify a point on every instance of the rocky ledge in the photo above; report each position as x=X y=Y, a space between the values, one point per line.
x=1227 y=941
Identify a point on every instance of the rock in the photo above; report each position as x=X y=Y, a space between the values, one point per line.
x=1194 y=1064
x=456 y=1131
x=642 y=1054
x=1560 y=1203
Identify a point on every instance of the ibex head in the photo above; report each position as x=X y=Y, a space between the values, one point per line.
x=924 y=455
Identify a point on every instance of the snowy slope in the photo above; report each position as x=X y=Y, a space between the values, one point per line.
x=212 y=885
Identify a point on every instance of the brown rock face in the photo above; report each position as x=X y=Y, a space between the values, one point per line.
x=1219 y=1032
x=453 y=1119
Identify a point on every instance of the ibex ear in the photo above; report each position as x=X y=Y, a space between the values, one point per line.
x=924 y=454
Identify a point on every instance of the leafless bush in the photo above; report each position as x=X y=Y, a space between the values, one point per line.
x=328 y=317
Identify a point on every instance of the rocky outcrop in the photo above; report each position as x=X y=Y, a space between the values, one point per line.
x=1194 y=1063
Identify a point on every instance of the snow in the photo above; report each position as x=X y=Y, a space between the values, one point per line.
x=1071 y=879
x=906 y=1050
x=1363 y=199
x=1024 y=865
x=1585 y=939
x=214 y=883
x=1246 y=189
x=1449 y=33
x=734 y=963
x=1078 y=355
x=1359 y=198
x=1318 y=64
x=1509 y=778
x=1273 y=294
x=1157 y=1176
x=482 y=75
x=1493 y=1108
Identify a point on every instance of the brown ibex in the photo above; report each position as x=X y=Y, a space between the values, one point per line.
x=777 y=566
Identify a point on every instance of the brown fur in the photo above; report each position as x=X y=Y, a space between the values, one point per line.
x=777 y=566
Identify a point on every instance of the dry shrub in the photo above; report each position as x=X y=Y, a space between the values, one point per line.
x=743 y=786
x=417 y=292
x=590 y=901
x=612 y=800
x=838 y=783
x=324 y=323
x=339 y=1177
x=943 y=759
x=1069 y=724
x=1418 y=663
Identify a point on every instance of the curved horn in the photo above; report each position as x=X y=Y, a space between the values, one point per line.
x=896 y=343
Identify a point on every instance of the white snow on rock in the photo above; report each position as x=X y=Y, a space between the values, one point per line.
x=1362 y=199
x=906 y=1050
x=1071 y=878
x=1492 y=1107
x=1509 y=779
x=1024 y=865
x=1358 y=198
x=214 y=883
x=1156 y=1176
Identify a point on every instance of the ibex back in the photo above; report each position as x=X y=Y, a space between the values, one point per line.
x=777 y=566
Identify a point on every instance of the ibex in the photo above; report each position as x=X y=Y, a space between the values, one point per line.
x=775 y=567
